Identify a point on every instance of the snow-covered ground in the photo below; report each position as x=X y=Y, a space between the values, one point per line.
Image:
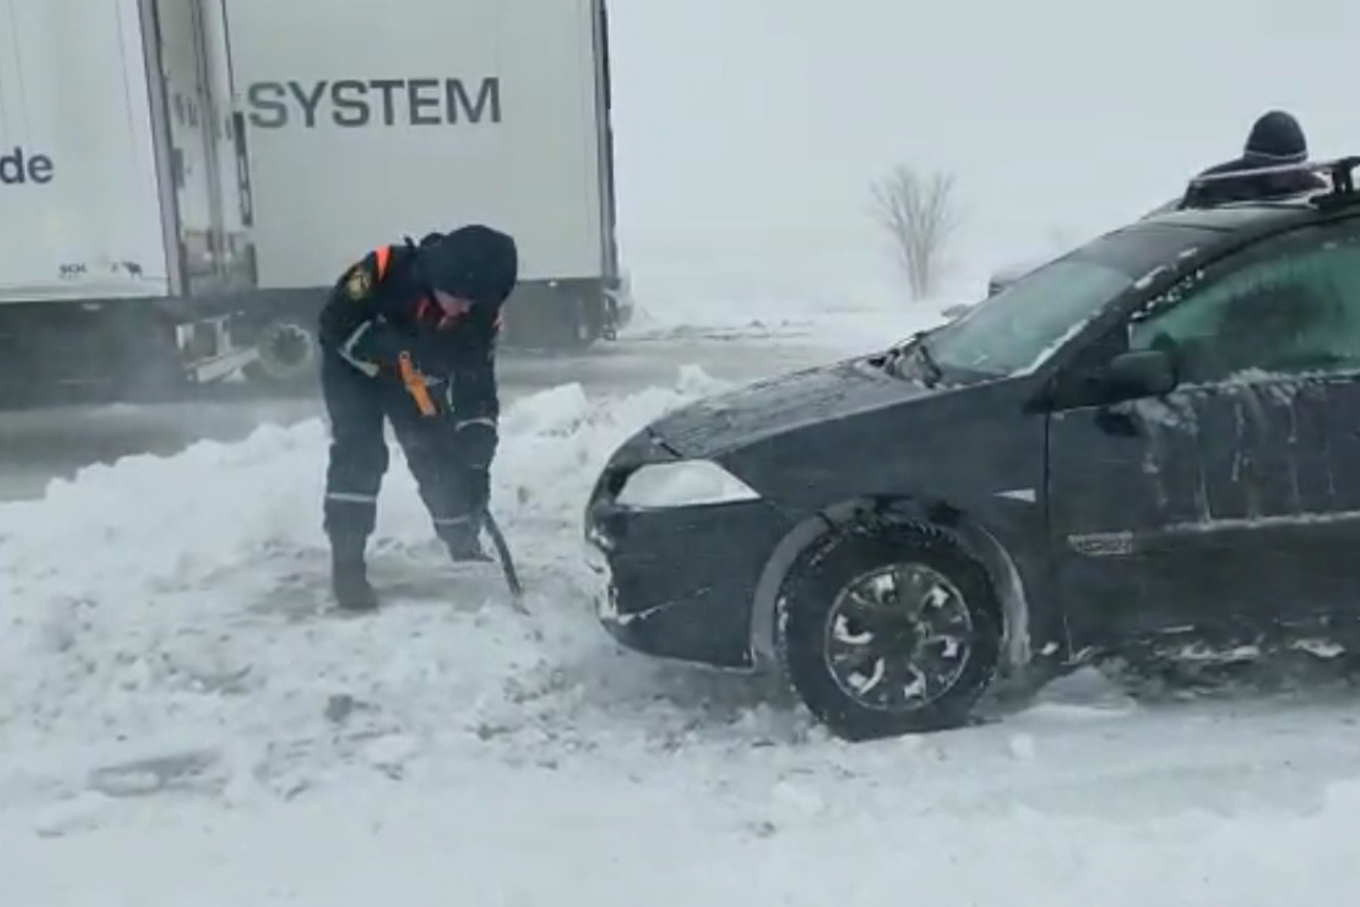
x=853 y=319
x=178 y=726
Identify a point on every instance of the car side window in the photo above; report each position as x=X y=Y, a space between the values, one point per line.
x=1291 y=307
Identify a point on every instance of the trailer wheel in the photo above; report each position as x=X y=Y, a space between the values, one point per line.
x=288 y=351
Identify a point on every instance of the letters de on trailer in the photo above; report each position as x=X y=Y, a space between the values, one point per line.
x=358 y=104
x=20 y=166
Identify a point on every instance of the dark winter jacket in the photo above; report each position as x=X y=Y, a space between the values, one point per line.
x=1276 y=140
x=381 y=307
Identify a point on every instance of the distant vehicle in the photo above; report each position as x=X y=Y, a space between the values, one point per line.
x=123 y=217
x=182 y=180
x=372 y=119
x=1146 y=448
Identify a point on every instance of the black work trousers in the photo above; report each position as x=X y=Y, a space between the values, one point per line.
x=454 y=494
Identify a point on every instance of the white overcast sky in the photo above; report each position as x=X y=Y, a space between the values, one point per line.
x=748 y=131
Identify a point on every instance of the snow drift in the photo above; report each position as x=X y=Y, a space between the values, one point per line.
x=163 y=611
x=169 y=699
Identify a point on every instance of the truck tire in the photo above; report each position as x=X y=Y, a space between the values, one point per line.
x=888 y=630
x=288 y=349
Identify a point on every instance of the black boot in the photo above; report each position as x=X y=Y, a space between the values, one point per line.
x=349 y=579
x=464 y=543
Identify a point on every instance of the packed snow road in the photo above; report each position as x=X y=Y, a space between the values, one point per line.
x=179 y=725
x=36 y=447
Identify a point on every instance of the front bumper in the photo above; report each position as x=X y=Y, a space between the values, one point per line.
x=681 y=581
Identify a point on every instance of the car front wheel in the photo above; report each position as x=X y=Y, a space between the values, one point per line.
x=888 y=630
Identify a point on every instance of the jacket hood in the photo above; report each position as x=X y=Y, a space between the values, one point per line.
x=763 y=410
x=475 y=263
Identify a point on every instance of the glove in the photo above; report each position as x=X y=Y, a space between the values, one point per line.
x=475 y=441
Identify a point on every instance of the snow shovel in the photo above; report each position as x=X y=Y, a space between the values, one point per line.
x=507 y=562
x=415 y=386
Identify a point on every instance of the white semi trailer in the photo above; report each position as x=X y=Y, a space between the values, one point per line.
x=124 y=231
x=182 y=180
x=368 y=120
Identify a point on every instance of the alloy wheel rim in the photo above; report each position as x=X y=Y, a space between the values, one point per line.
x=897 y=638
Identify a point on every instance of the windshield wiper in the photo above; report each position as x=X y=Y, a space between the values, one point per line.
x=933 y=373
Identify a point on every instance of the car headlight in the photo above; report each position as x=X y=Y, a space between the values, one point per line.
x=686 y=483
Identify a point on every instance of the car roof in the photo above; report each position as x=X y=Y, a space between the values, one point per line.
x=1172 y=236
x=1183 y=230
x=1258 y=217
x=1225 y=225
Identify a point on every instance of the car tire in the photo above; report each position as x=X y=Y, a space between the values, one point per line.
x=825 y=608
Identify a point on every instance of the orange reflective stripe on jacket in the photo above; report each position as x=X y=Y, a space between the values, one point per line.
x=383 y=257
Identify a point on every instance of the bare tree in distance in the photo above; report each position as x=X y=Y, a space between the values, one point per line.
x=921 y=214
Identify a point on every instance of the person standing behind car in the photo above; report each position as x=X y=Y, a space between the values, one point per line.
x=1276 y=140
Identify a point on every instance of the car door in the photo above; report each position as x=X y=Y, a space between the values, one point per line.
x=1235 y=499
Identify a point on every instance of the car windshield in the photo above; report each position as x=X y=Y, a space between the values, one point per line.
x=1018 y=327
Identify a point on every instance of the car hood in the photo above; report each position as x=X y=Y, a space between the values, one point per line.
x=759 y=411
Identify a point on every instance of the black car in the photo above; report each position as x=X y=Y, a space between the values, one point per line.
x=1148 y=445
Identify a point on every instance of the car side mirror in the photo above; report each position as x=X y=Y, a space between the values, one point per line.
x=1143 y=373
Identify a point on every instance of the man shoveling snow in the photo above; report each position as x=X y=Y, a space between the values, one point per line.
x=409 y=335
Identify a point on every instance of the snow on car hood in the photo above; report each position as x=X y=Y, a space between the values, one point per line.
x=771 y=407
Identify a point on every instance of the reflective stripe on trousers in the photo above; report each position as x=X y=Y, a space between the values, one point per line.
x=346 y=497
